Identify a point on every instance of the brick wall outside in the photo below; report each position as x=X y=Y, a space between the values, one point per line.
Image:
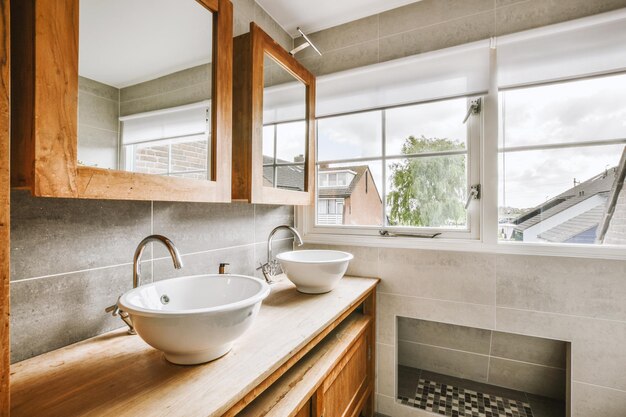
x=188 y=156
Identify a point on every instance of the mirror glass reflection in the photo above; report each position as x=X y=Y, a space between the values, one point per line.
x=284 y=128
x=144 y=102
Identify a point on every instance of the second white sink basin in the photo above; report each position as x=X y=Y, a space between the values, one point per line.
x=314 y=271
x=194 y=319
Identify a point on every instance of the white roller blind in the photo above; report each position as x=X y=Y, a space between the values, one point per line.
x=284 y=102
x=587 y=46
x=444 y=73
x=182 y=121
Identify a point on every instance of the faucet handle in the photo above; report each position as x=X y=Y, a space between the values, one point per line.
x=114 y=309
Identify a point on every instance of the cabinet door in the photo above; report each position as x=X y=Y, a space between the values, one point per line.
x=344 y=392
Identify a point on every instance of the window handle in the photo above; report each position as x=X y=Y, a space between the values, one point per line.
x=474 y=194
x=474 y=108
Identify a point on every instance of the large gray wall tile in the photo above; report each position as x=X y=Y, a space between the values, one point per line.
x=536 y=13
x=97 y=112
x=589 y=400
x=51 y=236
x=451 y=33
x=98 y=89
x=338 y=37
x=241 y=260
x=200 y=74
x=269 y=25
x=197 y=227
x=536 y=350
x=469 y=339
x=49 y=313
x=598 y=354
x=534 y=379
x=267 y=217
x=466 y=277
x=385 y=358
x=429 y=12
x=390 y=306
x=444 y=361
x=342 y=59
x=186 y=95
x=585 y=287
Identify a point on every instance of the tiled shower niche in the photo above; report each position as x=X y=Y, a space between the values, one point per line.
x=460 y=371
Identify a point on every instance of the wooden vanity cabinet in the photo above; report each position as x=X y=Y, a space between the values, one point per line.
x=335 y=379
x=344 y=391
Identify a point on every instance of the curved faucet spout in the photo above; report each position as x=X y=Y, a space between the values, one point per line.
x=178 y=262
x=294 y=232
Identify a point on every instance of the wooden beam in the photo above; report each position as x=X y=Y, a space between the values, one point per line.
x=5 y=212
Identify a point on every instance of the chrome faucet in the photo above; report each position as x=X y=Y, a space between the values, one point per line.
x=178 y=264
x=272 y=268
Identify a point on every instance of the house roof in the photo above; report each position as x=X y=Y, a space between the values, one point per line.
x=600 y=184
x=290 y=177
x=615 y=205
x=344 y=191
x=575 y=226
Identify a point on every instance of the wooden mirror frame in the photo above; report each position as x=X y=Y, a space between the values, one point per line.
x=248 y=65
x=45 y=113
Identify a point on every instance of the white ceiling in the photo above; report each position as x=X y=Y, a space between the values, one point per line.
x=314 y=15
x=124 y=42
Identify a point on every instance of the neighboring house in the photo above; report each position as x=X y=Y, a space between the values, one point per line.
x=348 y=195
x=571 y=217
x=612 y=228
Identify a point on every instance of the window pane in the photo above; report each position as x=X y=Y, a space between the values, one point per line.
x=439 y=123
x=150 y=158
x=359 y=202
x=352 y=136
x=427 y=192
x=290 y=177
x=290 y=142
x=189 y=156
x=582 y=110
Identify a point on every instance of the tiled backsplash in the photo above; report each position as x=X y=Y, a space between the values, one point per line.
x=73 y=258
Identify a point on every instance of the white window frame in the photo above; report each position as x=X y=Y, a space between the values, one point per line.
x=474 y=139
x=487 y=239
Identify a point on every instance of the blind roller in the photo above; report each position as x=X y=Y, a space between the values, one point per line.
x=175 y=122
x=587 y=46
x=445 y=73
x=284 y=102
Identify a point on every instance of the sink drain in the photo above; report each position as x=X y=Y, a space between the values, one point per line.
x=165 y=299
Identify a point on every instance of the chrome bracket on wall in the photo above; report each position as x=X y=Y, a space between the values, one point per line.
x=306 y=44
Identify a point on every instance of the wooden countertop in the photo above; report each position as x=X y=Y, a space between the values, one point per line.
x=120 y=375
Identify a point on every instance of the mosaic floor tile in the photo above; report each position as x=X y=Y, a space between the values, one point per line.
x=449 y=400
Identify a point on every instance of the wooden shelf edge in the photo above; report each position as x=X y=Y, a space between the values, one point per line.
x=291 y=392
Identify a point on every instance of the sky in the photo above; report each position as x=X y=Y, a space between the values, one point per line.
x=584 y=110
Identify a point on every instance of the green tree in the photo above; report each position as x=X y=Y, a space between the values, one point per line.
x=428 y=191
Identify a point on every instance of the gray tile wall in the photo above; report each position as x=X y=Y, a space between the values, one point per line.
x=575 y=300
x=72 y=258
x=98 y=125
x=524 y=363
x=429 y=25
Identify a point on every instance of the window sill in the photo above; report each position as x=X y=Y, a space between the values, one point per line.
x=457 y=245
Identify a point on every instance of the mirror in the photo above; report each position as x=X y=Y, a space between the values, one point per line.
x=284 y=128
x=145 y=87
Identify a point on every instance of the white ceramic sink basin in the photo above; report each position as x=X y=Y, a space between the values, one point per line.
x=314 y=271
x=194 y=319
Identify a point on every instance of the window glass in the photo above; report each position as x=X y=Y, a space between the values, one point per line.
x=559 y=162
x=352 y=136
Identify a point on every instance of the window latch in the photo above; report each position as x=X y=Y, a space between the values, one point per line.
x=387 y=233
x=474 y=194
x=474 y=108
